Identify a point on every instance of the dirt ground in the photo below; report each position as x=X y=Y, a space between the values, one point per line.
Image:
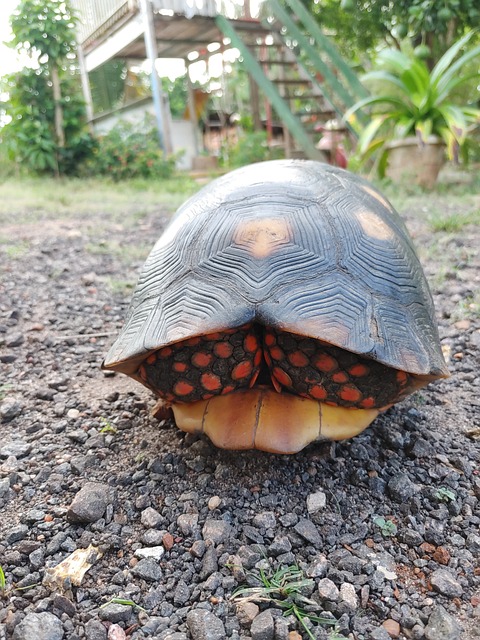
x=66 y=276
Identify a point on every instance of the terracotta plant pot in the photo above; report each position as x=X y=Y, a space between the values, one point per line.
x=418 y=163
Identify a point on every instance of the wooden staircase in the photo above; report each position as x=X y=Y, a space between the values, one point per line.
x=304 y=78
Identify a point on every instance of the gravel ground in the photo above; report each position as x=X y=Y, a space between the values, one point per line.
x=384 y=527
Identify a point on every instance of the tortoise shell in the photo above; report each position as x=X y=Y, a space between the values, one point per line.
x=283 y=278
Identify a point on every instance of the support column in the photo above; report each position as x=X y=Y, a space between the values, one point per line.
x=87 y=94
x=192 y=110
x=159 y=103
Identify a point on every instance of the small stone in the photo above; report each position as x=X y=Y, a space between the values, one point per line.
x=280 y=545
x=308 y=531
x=95 y=630
x=181 y=594
x=246 y=613
x=64 y=605
x=316 y=502
x=348 y=596
x=17 y=448
x=318 y=568
x=187 y=523
x=214 y=503
x=265 y=520
x=400 y=487
x=41 y=626
x=90 y=503
x=216 y=530
x=209 y=563
x=114 y=612
x=263 y=627
x=116 y=632
x=379 y=634
x=441 y=555
x=441 y=626
x=150 y=552
x=10 y=408
x=148 y=570
x=16 y=533
x=15 y=339
x=392 y=628
x=151 y=518
x=328 y=590
x=443 y=582
x=168 y=541
x=73 y=413
x=204 y=625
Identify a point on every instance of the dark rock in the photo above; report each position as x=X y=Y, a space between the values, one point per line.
x=16 y=533
x=41 y=626
x=400 y=488
x=95 y=630
x=444 y=582
x=147 y=569
x=308 y=530
x=204 y=625
x=10 y=408
x=90 y=503
x=263 y=627
x=441 y=626
x=114 y=612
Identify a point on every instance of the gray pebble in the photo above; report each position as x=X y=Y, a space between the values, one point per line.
x=147 y=569
x=441 y=626
x=150 y=552
x=263 y=627
x=400 y=488
x=209 y=563
x=204 y=625
x=379 y=634
x=114 y=612
x=265 y=520
x=216 y=530
x=328 y=590
x=187 y=523
x=17 y=448
x=16 y=533
x=41 y=626
x=308 y=530
x=150 y=518
x=10 y=408
x=181 y=594
x=316 y=502
x=90 y=503
x=95 y=630
x=443 y=582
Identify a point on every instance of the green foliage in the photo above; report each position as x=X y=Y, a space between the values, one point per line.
x=29 y=137
x=129 y=151
x=46 y=134
x=251 y=147
x=411 y=100
x=360 y=26
x=44 y=28
x=387 y=527
x=284 y=589
x=445 y=495
x=3 y=581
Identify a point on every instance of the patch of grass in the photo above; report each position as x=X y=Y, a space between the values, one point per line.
x=127 y=253
x=468 y=308
x=284 y=588
x=128 y=603
x=3 y=582
x=16 y=250
x=107 y=426
x=120 y=287
x=454 y=222
x=30 y=200
x=4 y=389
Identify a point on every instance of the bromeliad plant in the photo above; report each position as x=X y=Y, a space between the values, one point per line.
x=418 y=102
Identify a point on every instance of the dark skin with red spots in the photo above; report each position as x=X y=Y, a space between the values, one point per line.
x=222 y=362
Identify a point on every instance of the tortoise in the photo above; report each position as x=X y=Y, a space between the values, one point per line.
x=283 y=304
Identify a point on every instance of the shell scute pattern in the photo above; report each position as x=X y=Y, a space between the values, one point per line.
x=319 y=273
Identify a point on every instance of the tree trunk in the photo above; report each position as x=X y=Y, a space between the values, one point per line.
x=57 y=97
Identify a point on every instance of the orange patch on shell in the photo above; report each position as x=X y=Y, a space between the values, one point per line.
x=282 y=377
x=298 y=359
x=242 y=370
x=340 y=377
x=250 y=344
x=350 y=393
x=201 y=359
x=180 y=367
x=182 y=388
x=277 y=353
x=358 y=370
x=318 y=392
x=210 y=381
x=326 y=363
x=223 y=349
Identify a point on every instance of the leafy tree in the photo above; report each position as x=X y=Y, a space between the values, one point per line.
x=362 y=25
x=47 y=115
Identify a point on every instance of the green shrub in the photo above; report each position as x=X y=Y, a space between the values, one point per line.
x=251 y=147
x=130 y=151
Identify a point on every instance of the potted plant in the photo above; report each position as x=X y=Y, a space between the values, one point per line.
x=417 y=122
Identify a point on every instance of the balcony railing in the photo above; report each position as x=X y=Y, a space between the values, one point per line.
x=97 y=17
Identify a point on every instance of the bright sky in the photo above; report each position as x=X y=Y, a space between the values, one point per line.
x=8 y=57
